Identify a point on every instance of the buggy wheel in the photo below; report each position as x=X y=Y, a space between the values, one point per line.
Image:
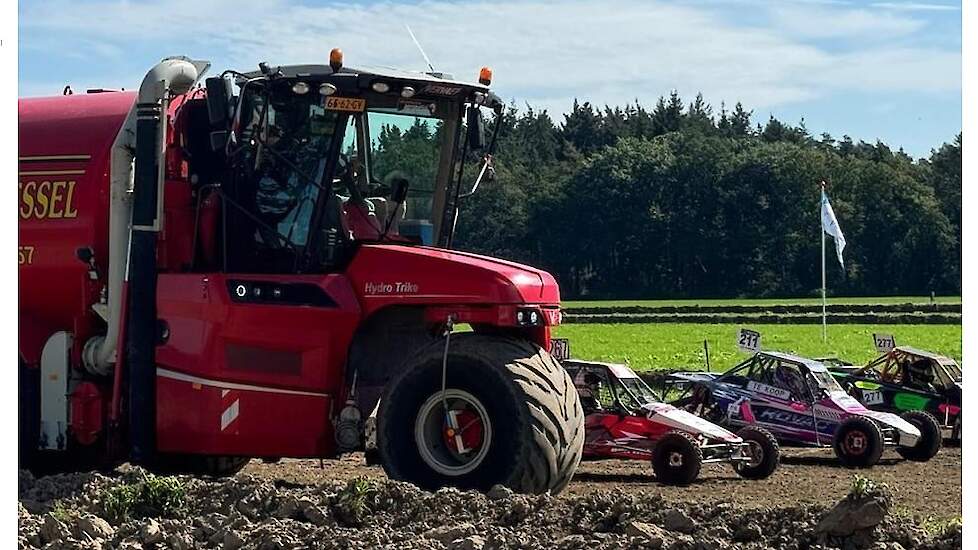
x=930 y=440
x=509 y=415
x=764 y=451
x=956 y=430
x=858 y=442
x=677 y=458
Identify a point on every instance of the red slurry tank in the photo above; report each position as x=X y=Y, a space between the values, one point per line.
x=214 y=270
x=63 y=204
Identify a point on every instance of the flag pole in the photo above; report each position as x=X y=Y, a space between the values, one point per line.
x=822 y=231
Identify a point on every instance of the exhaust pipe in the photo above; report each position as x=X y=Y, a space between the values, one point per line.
x=172 y=76
x=175 y=75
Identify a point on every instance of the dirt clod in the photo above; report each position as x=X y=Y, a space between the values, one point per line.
x=611 y=505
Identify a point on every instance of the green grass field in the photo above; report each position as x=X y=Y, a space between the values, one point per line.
x=873 y=300
x=677 y=345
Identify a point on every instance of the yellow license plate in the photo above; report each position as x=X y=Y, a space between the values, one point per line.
x=352 y=104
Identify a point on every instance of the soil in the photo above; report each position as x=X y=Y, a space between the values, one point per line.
x=809 y=504
x=806 y=476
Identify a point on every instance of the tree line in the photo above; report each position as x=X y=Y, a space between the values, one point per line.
x=682 y=201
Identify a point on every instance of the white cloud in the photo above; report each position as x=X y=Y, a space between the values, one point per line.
x=833 y=22
x=541 y=53
x=915 y=6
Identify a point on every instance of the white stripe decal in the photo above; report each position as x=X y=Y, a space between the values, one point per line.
x=224 y=393
x=229 y=414
x=173 y=375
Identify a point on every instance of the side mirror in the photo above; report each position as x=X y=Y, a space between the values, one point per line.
x=399 y=190
x=218 y=102
x=475 y=129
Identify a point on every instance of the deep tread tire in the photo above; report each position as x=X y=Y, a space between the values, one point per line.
x=201 y=465
x=771 y=453
x=532 y=404
x=931 y=438
x=873 y=445
x=691 y=458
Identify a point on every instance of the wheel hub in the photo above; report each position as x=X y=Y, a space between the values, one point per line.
x=855 y=443
x=675 y=459
x=756 y=454
x=453 y=432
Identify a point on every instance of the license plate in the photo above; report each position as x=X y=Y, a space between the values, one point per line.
x=352 y=104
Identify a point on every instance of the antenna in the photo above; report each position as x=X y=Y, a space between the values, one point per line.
x=420 y=49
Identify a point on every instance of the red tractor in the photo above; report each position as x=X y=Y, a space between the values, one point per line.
x=244 y=266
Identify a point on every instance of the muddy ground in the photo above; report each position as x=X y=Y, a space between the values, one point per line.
x=806 y=476
x=809 y=504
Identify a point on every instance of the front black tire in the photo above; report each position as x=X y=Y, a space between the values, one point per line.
x=766 y=453
x=532 y=436
x=858 y=442
x=931 y=438
x=677 y=459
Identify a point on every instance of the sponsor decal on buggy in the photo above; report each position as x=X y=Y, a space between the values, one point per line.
x=827 y=413
x=398 y=287
x=768 y=390
x=863 y=385
x=777 y=416
x=909 y=402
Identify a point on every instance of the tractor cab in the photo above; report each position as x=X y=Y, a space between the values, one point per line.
x=317 y=159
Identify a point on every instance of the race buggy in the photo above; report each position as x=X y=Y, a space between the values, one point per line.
x=624 y=419
x=802 y=404
x=908 y=379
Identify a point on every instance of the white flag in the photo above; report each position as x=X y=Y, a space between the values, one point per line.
x=831 y=226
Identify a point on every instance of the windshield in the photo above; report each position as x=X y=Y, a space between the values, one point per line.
x=639 y=390
x=822 y=380
x=397 y=144
x=292 y=136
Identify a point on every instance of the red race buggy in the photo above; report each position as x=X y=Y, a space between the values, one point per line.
x=625 y=420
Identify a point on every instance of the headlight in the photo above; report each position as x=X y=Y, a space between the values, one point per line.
x=300 y=88
x=381 y=87
x=529 y=317
x=327 y=89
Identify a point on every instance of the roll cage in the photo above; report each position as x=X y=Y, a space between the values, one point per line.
x=912 y=367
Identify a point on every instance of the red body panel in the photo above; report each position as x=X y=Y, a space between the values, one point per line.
x=63 y=196
x=387 y=274
x=609 y=435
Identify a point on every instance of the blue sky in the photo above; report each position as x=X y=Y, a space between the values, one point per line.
x=888 y=70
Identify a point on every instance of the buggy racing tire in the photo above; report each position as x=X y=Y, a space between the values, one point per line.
x=510 y=415
x=858 y=442
x=930 y=441
x=765 y=453
x=956 y=430
x=677 y=459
